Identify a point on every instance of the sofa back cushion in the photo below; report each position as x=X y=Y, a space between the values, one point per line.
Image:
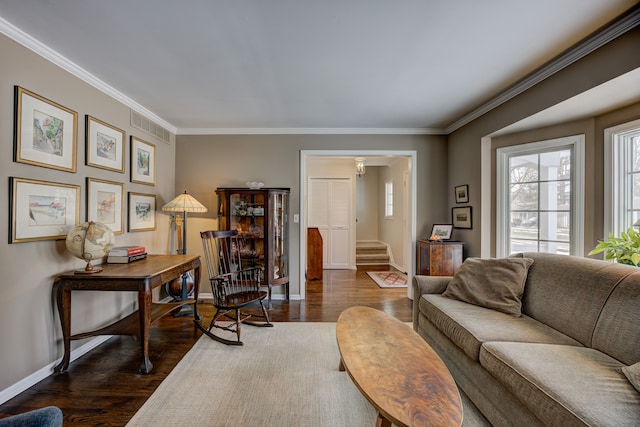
x=617 y=332
x=568 y=293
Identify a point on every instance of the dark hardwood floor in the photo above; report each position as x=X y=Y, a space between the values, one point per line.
x=103 y=388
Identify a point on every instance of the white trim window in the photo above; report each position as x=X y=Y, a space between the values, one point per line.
x=540 y=197
x=621 y=177
x=388 y=199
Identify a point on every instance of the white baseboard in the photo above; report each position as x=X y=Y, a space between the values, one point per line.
x=43 y=373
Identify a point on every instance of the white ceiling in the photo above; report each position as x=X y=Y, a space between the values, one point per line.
x=226 y=66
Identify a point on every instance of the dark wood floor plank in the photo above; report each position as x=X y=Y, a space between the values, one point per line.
x=103 y=387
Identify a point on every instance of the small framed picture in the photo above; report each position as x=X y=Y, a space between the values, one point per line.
x=142 y=212
x=143 y=162
x=462 y=193
x=443 y=231
x=45 y=133
x=104 y=145
x=461 y=217
x=105 y=201
x=42 y=210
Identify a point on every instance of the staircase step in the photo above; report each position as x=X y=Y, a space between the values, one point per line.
x=371 y=253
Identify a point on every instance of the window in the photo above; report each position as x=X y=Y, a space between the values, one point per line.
x=540 y=197
x=388 y=199
x=622 y=177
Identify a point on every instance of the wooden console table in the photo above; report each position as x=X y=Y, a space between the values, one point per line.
x=139 y=276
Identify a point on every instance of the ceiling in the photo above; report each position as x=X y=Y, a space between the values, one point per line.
x=258 y=66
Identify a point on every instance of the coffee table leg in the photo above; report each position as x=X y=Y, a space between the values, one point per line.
x=382 y=421
x=341 y=368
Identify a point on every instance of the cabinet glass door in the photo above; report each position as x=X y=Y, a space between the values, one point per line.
x=247 y=213
x=279 y=205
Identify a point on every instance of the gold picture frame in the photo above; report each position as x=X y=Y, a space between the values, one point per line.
x=104 y=145
x=142 y=212
x=143 y=161
x=105 y=203
x=45 y=132
x=42 y=210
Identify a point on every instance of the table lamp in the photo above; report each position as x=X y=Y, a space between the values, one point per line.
x=184 y=203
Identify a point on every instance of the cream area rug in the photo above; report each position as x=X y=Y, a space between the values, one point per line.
x=283 y=376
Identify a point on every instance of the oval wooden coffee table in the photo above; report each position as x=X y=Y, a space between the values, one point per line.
x=396 y=370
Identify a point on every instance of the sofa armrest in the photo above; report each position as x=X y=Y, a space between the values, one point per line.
x=426 y=285
x=429 y=284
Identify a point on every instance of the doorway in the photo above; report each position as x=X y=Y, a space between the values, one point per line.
x=407 y=184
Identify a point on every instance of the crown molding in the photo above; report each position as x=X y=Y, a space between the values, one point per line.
x=51 y=55
x=596 y=40
x=311 y=131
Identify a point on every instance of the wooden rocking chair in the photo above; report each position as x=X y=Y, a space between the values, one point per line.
x=232 y=286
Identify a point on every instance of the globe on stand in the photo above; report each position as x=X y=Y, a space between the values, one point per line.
x=90 y=241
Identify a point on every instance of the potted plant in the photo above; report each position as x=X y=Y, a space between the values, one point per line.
x=624 y=249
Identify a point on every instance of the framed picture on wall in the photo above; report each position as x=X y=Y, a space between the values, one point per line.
x=42 y=210
x=143 y=162
x=142 y=212
x=461 y=217
x=462 y=193
x=45 y=133
x=105 y=201
x=104 y=145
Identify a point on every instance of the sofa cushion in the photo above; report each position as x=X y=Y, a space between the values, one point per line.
x=468 y=325
x=633 y=374
x=617 y=331
x=491 y=283
x=568 y=293
x=564 y=385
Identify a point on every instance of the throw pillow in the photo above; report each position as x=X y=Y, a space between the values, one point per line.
x=633 y=374
x=492 y=283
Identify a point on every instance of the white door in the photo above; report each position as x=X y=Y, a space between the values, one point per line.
x=330 y=211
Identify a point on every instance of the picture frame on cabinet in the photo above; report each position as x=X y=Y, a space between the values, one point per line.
x=105 y=203
x=104 y=145
x=42 y=210
x=462 y=193
x=443 y=231
x=143 y=161
x=45 y=132
x=142 y=212
x=461 y=217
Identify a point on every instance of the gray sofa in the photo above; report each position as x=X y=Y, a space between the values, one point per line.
x=558 y=363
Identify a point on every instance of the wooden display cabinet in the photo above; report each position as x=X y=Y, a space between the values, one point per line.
x=262 y=219
x=438 y=258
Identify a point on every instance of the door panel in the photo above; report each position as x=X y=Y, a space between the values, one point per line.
x=330 y=211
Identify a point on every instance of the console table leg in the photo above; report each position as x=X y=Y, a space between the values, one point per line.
x=196 y=291
x=145 y=306
x=63 y=299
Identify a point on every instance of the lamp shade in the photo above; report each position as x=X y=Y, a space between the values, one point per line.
x=184 y=203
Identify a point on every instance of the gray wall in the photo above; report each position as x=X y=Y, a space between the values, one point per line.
x=205 y=162
x=367 y=204
x=464 y=165
x=30 y=337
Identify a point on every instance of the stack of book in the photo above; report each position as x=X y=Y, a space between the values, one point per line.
x=126 y=254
